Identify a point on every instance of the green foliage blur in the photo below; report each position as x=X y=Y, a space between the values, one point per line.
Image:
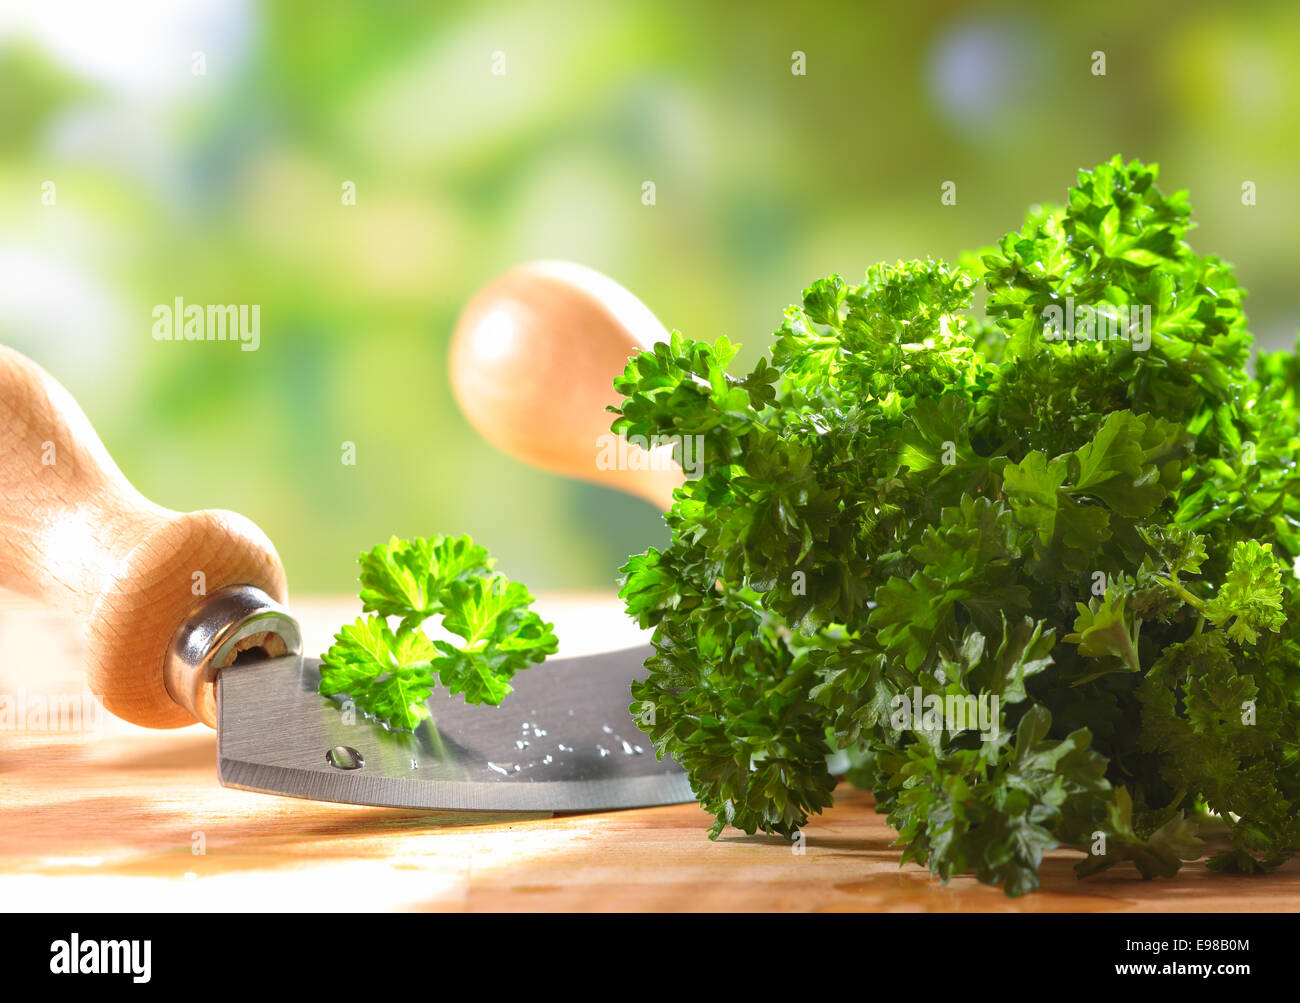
x=225 y=187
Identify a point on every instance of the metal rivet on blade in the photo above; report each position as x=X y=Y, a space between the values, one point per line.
x=344 y=757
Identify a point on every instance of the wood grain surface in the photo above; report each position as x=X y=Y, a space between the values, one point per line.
x=109 y=818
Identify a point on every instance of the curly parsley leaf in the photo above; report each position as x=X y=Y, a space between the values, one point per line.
x=408 y=578
x=1251 y=598
x=385 y=674
x=391 y=674
x=1104 y=628
x=502 y=636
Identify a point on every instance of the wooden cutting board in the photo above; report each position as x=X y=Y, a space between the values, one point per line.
x=114 y=817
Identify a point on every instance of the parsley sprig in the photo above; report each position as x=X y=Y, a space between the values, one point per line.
x=914 y=496
x=390 y=673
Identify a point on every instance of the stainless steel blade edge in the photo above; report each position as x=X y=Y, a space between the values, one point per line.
x=564 y=740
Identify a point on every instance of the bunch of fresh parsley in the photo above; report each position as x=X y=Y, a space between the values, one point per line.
x=916 y=497
x=390 y=672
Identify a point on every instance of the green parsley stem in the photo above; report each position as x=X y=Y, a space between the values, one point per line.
x=1181 y=592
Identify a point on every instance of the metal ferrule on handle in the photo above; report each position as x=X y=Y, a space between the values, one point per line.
x=234 y=620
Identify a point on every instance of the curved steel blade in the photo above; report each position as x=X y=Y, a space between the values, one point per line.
x=562 y=741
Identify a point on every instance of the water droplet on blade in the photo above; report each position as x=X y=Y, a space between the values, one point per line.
x=344 y=757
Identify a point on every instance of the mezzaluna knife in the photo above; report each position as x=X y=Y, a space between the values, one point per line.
x=186 y=613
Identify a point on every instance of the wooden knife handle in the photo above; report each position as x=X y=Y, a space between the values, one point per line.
x=533 y=362
x=74 y=532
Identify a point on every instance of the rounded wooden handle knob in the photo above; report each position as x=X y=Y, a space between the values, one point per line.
x=74 y=532
x=533 y=362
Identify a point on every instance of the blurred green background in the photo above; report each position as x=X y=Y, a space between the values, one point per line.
x=225 y=187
